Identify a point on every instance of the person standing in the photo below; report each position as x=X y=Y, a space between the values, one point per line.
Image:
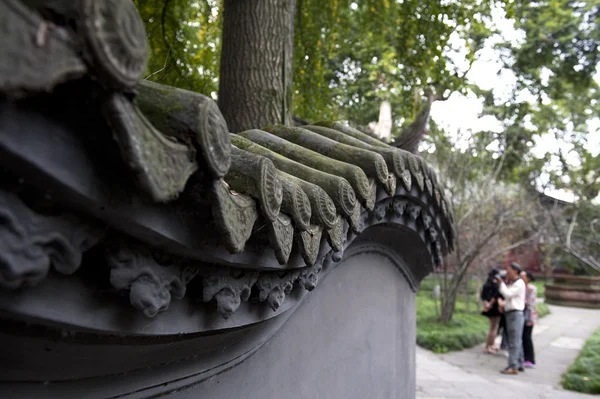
x=514 y=303
x=490 y=297
x=530 y=317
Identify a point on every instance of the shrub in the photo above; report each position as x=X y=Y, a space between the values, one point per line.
x=584 y=374
x=542 y=309
x=464 y=331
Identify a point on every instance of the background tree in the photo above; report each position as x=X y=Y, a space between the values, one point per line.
x=185 y=43
x=491 y=216
x=351 y=56
x=255 y=87
x=556 y=100
x=348 y=56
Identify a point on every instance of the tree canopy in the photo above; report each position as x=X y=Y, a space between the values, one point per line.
x=349 y=56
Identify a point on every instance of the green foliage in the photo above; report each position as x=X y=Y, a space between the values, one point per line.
x=464 y=331
x=541 y=288
x=584 y=374
x=542 y=309
x=185 y=42
x=555 y=96
x=350 y=56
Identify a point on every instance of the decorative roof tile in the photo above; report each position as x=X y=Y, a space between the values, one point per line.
x=252 y=216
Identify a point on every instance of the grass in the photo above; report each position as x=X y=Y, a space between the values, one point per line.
x=464 y=331
x=429 y=282
x=542 y=310
x=584 y=374
x=467 y=328
x=540 y=288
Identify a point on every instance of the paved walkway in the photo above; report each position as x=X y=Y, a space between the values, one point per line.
x=471 y=373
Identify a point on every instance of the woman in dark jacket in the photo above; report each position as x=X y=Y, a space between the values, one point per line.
x=491 y=298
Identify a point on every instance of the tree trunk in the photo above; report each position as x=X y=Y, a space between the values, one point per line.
x=448 y=305
x=467 y=296
x=256 y=63
x=412 y=135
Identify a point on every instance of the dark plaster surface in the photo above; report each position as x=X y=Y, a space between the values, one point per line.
x=352 y=338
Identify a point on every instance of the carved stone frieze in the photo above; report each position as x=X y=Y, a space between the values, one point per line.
x=295 y=203
x=370 y=162
x=309 y=242
x=309 y=277
x=337 y=256
x=426 y=170
x=432 y=234
x=116 y=40
x=352 y=173
x=428 y=185
x=414 y=211
x=438 y=197
x=334 y=234
x=415 y=170
x=256 y=176
x=380 y=211
x=150 y=279
x=31 y=243
x=281 y=237
x=274 y=286
x=427 y=220
x=338 y=188
x=253 y=217
x=390 y=186
x=191 y=117
x=322 y=206
x=35 y=55
x=161 y=165
x=355 y=220
x=372 y=198
x=399 y=206
x=444 y=208
x=406 y=179
x=234 y=215
x=228 y=288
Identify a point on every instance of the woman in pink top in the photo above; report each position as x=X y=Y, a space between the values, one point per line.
x=530 y=316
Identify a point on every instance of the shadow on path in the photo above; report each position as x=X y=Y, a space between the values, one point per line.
x=471 y=373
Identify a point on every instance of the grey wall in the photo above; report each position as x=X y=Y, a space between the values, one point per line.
x=354 y=337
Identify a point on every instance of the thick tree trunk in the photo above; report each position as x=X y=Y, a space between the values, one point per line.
x=256 y=63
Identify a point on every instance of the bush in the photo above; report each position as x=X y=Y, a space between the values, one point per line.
x=540 y=288
x=542 y=310
x=465 y=330
x=584 y=374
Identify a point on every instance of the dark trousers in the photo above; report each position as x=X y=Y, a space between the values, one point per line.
x=528 y=351
x=504 y=341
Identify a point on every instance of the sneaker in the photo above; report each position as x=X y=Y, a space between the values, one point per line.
x=521 y=369
x=529 y=365
x=509 y=371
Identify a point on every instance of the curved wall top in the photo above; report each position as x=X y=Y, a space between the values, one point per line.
x=136 y=230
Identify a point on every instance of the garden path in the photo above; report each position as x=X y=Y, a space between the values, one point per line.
x=471 y=373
